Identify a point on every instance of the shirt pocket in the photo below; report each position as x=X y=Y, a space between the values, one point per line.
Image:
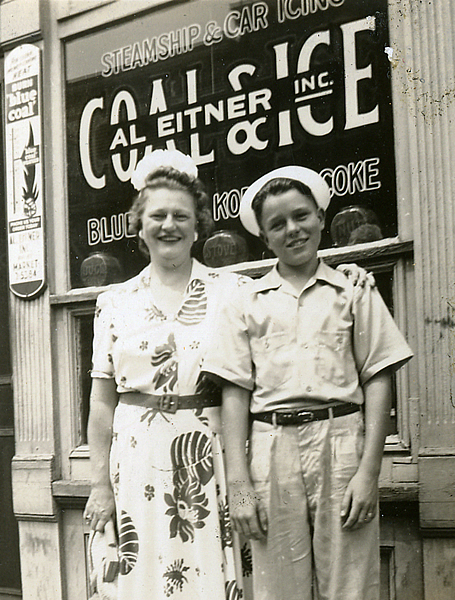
x=334 y=357
x=273 y=357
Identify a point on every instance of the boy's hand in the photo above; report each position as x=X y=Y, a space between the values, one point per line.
x=248 y=514
x=357 y=275
x=360 y=501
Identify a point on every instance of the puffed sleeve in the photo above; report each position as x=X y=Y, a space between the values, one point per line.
x=377 y=341
x=104 y=337
x=229 y=353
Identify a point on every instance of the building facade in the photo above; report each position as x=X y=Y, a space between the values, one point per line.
x=362 y=91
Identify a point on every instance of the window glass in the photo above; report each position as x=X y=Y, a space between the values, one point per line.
x=84 y=329
x=244 y=87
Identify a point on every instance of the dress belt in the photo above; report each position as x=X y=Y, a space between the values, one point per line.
x=170 y=402
x=298 y=417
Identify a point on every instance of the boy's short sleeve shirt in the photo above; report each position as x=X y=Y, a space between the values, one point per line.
x=319 y=345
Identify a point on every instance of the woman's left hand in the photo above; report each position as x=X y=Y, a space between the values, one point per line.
x=100 y=507
x=357 y=275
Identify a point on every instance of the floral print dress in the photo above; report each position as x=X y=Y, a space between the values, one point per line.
x=175 y=539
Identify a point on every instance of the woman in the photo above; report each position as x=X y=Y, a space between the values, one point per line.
x=154 y=422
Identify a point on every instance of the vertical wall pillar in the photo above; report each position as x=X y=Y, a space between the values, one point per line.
x=423 y=62
x=34 y=464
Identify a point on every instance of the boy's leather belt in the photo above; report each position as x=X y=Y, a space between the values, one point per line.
x=169 y=402
x=298 y=417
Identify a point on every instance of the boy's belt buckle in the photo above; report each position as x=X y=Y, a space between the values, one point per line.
x=168 y=403
x=300 y=416
x=305 y=416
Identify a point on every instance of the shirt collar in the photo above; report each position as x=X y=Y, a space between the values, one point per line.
x=273 y=279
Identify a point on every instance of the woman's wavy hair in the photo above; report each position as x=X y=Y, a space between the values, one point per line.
x=172 y=179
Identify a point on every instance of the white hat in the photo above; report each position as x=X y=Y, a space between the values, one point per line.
x=162 y=158
x=318 y=186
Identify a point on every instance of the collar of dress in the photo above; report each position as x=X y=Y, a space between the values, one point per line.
x=199 y=272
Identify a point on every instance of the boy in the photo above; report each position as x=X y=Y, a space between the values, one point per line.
x=307 y=357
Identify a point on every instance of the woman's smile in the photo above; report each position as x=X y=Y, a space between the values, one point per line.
x=169 y=238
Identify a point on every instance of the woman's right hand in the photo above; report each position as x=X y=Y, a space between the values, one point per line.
x=248 y=514
x=100 y=507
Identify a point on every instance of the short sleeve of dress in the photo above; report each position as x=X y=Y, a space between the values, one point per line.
x=103 y=338
x=229 y=353
x=377 y=341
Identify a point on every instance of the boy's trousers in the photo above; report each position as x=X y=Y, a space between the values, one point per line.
x=301 y=473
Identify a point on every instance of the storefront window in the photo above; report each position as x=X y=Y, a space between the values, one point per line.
x=243 y=87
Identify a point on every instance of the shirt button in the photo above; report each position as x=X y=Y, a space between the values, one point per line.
x=309 y=388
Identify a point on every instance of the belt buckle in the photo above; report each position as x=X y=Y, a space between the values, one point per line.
x=305 y=416
x=168 y=403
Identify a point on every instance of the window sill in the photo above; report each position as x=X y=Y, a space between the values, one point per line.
x=371 y=252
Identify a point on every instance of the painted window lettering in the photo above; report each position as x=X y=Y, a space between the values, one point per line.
x=351 y=179
x=105 y=230
x=294 y=9
x=246 y=118
x=150 y=50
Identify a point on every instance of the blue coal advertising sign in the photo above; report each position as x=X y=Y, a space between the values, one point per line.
x=243 y=87
x=24 y=181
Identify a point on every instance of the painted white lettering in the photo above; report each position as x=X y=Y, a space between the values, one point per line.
x=191 y=86
x=284 y=128
x=199 y=159
x=191 y=113
x=95 y=182
x=133 y=136
x=304 y=113
x=24 y=112
x=19 y=97
x=234 y=75
x=236 y=107
x=259 y=98
x=136 y=57
x=108 y=65
x=158 y=99
x=123 y=97
x=126 y=58
x=227 y=204
x=352 y=75
x=214 y=112
x=219 y=209
x=353 y=178
x=248 y=19
x=248 y=131
x=165 y=125
x=293 y=9
x=108 y=229
x=281 y=60
x=119 y=139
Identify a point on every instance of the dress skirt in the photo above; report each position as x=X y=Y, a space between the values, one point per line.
x=175 y=538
